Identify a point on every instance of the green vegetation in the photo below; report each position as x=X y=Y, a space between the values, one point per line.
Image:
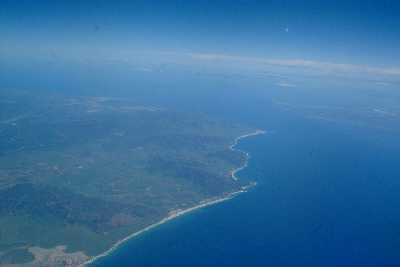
x=85 y=172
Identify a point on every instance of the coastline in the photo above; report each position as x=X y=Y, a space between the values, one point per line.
x=205 y=203
x=232 y=147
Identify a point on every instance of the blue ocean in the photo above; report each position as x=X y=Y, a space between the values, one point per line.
x=327 y=171
x=321 y=77
x=327 y=195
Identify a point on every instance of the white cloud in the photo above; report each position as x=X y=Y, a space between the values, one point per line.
x=305 y=65
x=382 y=83
x=285 y=84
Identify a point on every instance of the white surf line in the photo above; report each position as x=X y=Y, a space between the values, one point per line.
x=178 y=213
x=232 y=147
x=173 y=215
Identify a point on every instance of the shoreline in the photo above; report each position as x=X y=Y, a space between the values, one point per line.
x=232 y=148
x=205 y=203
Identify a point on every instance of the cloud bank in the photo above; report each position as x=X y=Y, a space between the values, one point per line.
x=305 y=65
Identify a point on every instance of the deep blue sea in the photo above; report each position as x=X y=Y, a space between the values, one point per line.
x=328 y=171
x=327 y=195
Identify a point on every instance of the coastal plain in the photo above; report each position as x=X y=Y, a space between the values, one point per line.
x=79 y=174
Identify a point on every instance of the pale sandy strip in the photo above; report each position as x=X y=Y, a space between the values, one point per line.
x=232 y=147
x=166 y=219
x=182 y=212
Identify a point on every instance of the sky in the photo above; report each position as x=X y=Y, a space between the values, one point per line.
x=345 y=35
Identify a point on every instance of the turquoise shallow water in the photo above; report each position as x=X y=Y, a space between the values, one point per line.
x=326 y=196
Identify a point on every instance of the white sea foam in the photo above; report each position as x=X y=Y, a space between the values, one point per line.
x=177 y=213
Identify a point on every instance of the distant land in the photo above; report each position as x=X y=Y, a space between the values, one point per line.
x=80 y=174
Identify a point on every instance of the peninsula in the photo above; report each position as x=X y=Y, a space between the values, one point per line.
x=78 y=176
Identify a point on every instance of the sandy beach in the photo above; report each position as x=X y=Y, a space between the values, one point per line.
x=177 y=213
